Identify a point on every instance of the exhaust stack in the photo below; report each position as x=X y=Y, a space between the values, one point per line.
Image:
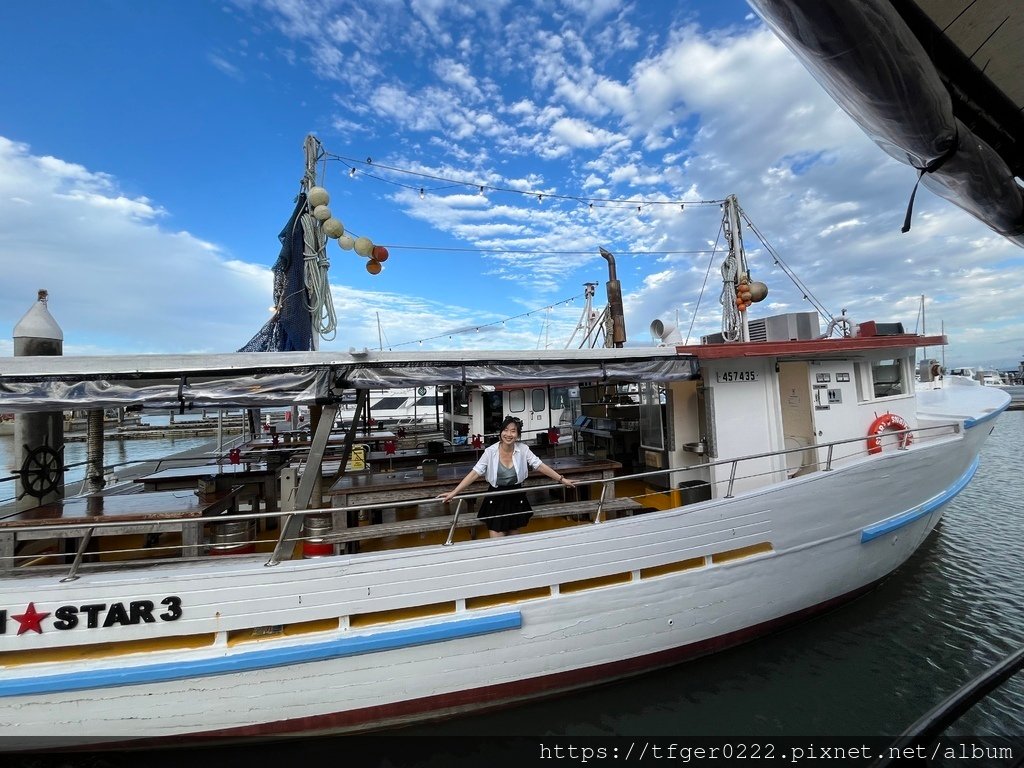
x=616 y=315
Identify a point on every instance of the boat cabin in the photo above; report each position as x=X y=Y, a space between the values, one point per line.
x=788 y=397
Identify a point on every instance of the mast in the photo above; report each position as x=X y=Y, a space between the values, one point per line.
x=735 y=272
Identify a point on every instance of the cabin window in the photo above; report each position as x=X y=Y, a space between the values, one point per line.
x=559 y=397
x=457 y=401
x=516 y=401
x=537 y=400
x=888 y=378
x=652 y=435
x=388 y=404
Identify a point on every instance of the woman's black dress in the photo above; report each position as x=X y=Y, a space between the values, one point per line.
x=507 y=512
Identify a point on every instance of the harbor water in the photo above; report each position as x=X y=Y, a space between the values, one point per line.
x=864 y=671
x=120 y=456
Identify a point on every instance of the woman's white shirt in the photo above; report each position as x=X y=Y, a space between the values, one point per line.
x=523 y=459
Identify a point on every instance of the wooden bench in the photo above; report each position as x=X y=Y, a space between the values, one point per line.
x=576 y=509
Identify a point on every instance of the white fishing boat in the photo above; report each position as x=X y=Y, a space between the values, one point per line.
x=985 y=377
x=723 y=490
x=405 y=407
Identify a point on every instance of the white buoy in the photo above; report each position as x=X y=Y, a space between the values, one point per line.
x=333 y=228
x=364 y=246
x=321 y=213
x=317 y=196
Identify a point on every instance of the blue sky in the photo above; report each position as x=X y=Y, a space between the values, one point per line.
x=150 y=154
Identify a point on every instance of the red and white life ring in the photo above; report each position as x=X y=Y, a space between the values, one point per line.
x=890 y=421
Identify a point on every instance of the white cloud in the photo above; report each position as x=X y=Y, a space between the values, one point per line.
x=570 y=99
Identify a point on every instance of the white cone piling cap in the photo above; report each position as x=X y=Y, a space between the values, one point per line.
x=38 y=323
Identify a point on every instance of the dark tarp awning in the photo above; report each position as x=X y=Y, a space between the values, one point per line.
x=912 y=88
x=261 y=379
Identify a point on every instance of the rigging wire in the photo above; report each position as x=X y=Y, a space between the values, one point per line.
x=730 y=311
x=477 y=328
x=807 y=294
x=707 y=273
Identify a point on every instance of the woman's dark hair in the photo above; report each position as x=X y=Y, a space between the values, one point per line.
x=512 y=420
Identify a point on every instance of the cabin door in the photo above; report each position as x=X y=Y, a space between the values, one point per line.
x=493 y=413
x=538 y=417
x=797 y=407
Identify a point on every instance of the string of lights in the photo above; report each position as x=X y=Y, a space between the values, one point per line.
x=448 y=183
x=481 y=326
x=533 y=252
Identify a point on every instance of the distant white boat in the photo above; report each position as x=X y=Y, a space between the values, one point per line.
x=401 y=407
x=990 y=379
x=985 y=377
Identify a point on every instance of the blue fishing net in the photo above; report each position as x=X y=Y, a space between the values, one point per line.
x=291 y=327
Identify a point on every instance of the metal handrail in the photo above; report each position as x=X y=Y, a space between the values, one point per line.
x=287 y=517
x=455 y=523
x=434 y=499
x=600 y=502
x=73 y=573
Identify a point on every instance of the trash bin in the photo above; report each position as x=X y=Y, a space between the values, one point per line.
x=693 y=491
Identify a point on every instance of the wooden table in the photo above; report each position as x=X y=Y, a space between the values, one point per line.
x=258 y=481
x=155 y=512
x=383 y=461
x=407 y=484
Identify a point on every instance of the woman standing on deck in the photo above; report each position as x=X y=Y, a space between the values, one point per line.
x=505 y=465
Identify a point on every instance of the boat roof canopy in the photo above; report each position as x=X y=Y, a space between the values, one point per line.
x=271 y=379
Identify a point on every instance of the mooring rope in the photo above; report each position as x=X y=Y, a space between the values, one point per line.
x=318 y=291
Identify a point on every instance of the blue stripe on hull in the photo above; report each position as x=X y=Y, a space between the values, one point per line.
x=906 y=518
x=264 y=659
x=968 y=423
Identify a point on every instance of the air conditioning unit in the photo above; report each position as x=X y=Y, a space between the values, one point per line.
x=793 y=326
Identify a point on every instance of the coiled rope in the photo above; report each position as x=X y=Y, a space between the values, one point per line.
x=314 y=253
x=315 y=266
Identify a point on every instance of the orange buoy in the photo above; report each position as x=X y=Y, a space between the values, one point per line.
x=892 y=422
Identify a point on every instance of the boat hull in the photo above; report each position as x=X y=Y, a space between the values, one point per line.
x=425 y=632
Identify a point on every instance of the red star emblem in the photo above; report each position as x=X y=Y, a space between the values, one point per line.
x=30 y=619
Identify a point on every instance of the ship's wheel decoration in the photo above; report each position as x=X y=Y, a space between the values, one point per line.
x=318 y=198
x=41 y=471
